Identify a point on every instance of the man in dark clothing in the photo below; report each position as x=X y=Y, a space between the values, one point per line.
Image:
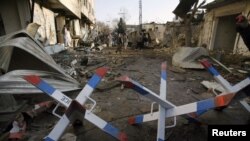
x=119 y=43
x=243 y=27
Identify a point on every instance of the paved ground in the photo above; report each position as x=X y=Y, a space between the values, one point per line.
x=116 y=104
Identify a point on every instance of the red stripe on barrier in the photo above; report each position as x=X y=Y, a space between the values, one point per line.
x=33 y=79
x=164 y=66
x=126 y=81
x=128 y=84
x=123 y=78
x=223 y=100
x=131 y=120
x=205 y=63
x=101 y=71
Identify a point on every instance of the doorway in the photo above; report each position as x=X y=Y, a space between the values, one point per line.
x=225 y=34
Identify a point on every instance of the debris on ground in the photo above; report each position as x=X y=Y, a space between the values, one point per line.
x=11 y=46
x=187 y=57
x=246 y=103
x=213 y=86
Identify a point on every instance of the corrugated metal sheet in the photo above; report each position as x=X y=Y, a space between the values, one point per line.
x=19 y=52
x=13 y=82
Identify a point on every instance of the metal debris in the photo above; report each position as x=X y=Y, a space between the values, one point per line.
x=213 y=85
x=20 y=54
x=54 y=49
x=186 y=57
x=13 y=83
x=226 y=68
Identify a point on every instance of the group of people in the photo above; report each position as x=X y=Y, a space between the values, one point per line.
x=143 y=38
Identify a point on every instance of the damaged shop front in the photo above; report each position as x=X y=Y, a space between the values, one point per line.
x=219 y=28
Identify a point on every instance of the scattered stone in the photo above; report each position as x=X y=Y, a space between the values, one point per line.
x=68 y=137
x=213 y=86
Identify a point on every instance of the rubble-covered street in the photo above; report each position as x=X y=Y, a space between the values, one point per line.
x=116 y=104
x=93 y=70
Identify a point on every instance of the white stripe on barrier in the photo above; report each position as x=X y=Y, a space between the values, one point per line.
x=163 y=89
x=149 y=117
x=162 y=112
x=60 y=127
x=225 y=84
x=192 y=107
x=87 y=90
x=236 y=88
x=60 y=97
x=95 y=120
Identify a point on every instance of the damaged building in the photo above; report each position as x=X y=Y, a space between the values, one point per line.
x=24 y=41
x=219 y=28
x=51 y=16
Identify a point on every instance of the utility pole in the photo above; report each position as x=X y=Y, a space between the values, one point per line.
x=140 y=15
x=123 y=13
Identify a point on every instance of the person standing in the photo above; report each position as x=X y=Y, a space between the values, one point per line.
x=125 y=41
x=110 y=40
x=243 y=27
x=67 y=36
x=119 y=43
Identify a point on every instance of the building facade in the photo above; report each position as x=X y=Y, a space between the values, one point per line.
x=51 y=15
x=219 y=32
